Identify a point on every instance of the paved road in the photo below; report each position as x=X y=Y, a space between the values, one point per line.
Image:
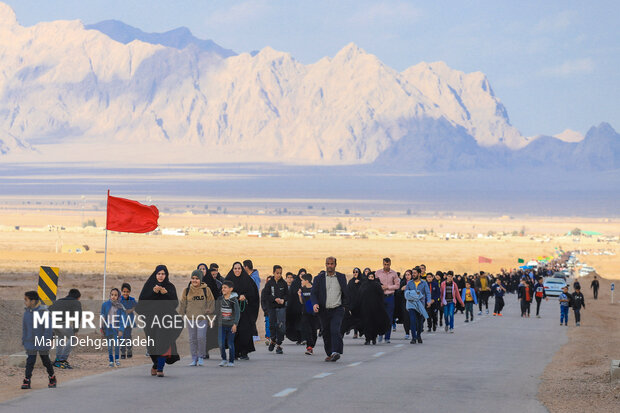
x=493 y=364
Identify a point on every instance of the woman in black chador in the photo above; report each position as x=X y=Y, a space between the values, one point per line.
x=375 y=320
x=249 y=302
x=352 y=317
x=157 y=303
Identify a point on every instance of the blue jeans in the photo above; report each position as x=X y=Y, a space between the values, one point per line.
x=113 y=346
x=448 y=314
x=267 y=335
x=388 y=303
x=415 y=323
x=563 y=314
x=226 y=336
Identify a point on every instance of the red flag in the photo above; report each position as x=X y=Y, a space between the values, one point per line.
x=482 y=260
x=125 y=215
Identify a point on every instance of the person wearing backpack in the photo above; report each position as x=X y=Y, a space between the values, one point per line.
x=197 y=303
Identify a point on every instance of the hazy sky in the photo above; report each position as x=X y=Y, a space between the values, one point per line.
x=554 y=64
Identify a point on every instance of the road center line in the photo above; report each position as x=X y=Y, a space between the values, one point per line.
x=379 y=354
x=285 y=392
x=321 y=375
x=357 y=363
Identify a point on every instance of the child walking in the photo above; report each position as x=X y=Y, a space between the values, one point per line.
x=499 y=291
x=129 y=304
x=275 y=296
x=113 y=312
x=468 y=295
x=539 y=294
x=32 y=346
x=564 y=304
x=229 y=318
x=309 y=321
x=197 y=303
x=578 y=303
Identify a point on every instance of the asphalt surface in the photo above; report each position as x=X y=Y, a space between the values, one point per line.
x=493 y=364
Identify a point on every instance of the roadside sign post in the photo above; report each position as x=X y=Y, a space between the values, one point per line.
x=612 y=292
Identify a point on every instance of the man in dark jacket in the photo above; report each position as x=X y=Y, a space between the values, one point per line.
x=70 y=304
x=330 y=301
x=594 y=285
x=275 y=295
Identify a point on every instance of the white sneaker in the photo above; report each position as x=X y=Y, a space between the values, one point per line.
x=229 y=364
x=406 y=336
x=451 y=331
x=193 y=363
x=479 y=312
x=223 y=363
x=380 y=339
x=200 y=361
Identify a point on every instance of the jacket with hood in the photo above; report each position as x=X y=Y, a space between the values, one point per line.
x=472 y=291
x=230 y=312
x=275 y=289
x=197 y=301
x=35 y=339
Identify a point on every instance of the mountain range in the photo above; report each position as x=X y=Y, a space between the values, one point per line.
x=111 y=92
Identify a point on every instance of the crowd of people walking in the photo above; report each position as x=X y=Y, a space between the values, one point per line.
x=298 y=306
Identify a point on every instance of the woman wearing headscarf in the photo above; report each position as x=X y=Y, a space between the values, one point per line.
x=352 y=316
x=293 y=309
x=400 y=304
x=209 y=280
x=375 y=320
x=158 y=299
x=249 y=302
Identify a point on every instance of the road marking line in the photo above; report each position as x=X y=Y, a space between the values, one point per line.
x=285 y=392
x=321 y=375
x=399 y=345
x=357 y=363
x=379 y=354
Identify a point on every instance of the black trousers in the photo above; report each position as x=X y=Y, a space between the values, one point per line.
x=309 y=325
x=499 y=305
x=538 y=301
x=525 y=307
x=331 y=321
x=32 y=358
x=484 y=299
x=432 y=316
x=577 y=315
x=595 y=293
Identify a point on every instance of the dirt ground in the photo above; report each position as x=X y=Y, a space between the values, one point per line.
x=578 y=379
x=132 y=258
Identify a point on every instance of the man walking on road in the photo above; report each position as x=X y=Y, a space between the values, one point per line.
x=390 y=283
x=329 y=298
x=594 y=285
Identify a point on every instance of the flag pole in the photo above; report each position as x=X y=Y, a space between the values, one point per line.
x=105 y=254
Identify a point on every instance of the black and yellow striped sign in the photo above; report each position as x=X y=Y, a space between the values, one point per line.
x=48 y=284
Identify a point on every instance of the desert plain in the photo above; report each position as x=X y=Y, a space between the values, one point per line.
x=30 y=238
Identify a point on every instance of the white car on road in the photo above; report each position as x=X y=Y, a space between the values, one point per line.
x=553 y=286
